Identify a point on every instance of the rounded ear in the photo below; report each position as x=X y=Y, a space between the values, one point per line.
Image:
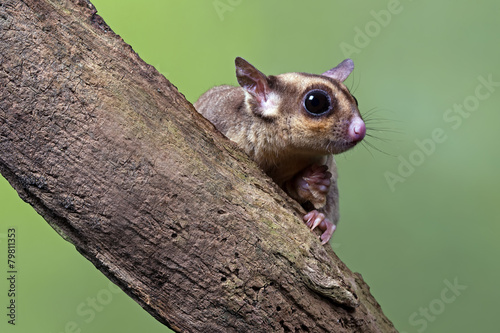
x=252 y=80
x=342 y=71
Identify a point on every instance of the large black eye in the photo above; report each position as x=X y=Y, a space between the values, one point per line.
x=317 y=102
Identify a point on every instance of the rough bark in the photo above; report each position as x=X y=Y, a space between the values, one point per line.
x=121 y=165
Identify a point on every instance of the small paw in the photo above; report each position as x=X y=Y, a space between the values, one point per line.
x=315 y=219
x=313 y=184
x=318 y=178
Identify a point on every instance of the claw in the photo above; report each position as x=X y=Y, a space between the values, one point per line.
x=325 y=237
x=320 y=218
x=315 y=219
x=309 y=217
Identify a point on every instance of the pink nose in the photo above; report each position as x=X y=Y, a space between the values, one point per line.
x=357 y=129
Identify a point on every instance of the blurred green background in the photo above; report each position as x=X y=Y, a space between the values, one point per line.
x=417 y=218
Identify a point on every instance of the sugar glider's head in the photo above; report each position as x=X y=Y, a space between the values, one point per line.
x=311 y=113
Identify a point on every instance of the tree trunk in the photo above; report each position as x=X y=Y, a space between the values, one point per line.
x=122 y=166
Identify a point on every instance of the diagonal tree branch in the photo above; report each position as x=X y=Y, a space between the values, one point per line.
x=121 y=165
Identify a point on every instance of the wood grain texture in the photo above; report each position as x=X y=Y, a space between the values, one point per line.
x=122 y=166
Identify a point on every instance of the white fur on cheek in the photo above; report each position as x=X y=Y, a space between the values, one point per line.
x=267 y=108
x=270 y=106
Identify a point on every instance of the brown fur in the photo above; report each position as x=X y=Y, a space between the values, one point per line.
x=284 y=138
